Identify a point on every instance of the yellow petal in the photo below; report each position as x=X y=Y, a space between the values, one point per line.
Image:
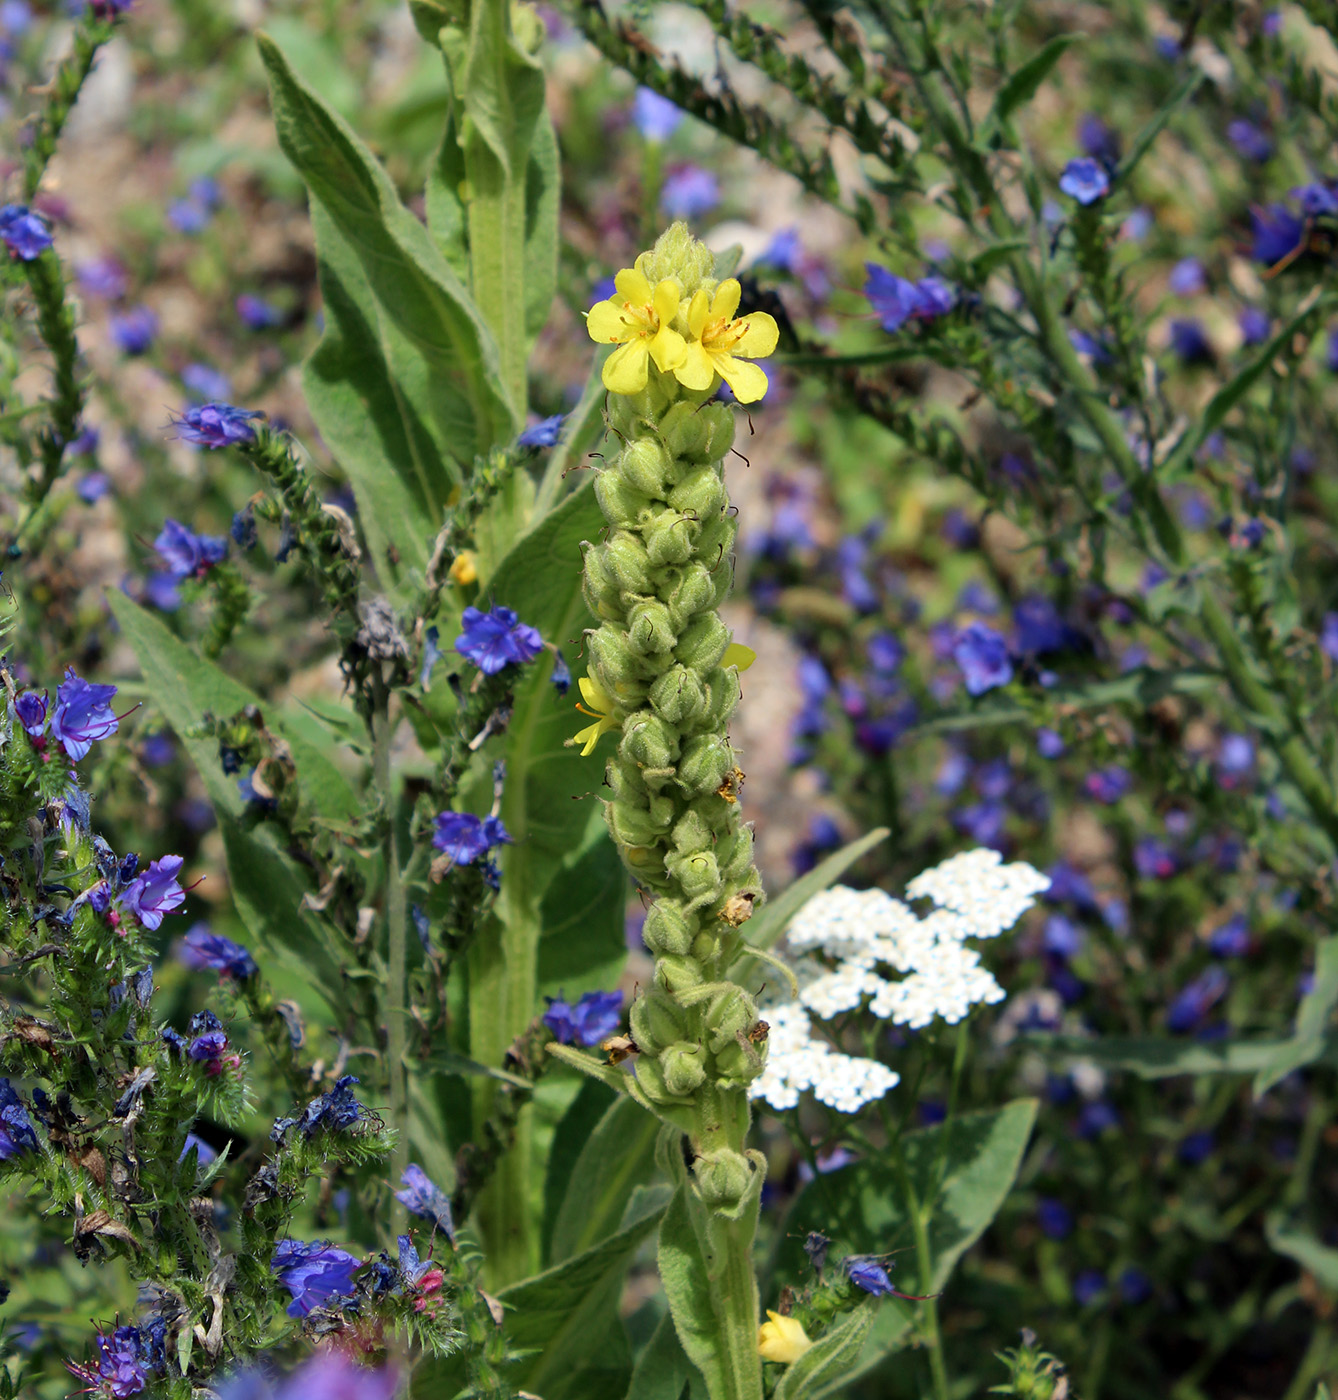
x=594 y=695
x=697 y=370
x=609 y=324
x=726 y=301
x=699 y=312
x=760 y=334
x=588 y=737
x=625 y=371
x=666 y=301
x=668 y=348
x=746 y=381
x=632 y=286
x=738 y=655
x=782 y=1339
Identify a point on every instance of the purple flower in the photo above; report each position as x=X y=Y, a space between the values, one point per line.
x=1232 y=939
x=1191 y=1005
x=1249 y=141
x=933 y=298
x=256 y=313
x=155 y=893
x=133 y=330
x=1254 y=325
x=83 y=715
x=783 y=251
x=187 y=554
x=30 y=711
x=544 y=433
x=1054 y=1218
x=122 y=1365
x=1328 y=636
x=1099 y=140
x=422 y=1197
x=1088 y=1286
x=497 y=639
x=103 y=277
x=1062 y=937
x=561 y=677
x=204 y=1154
x=1085 y=180
x=16 y=1129
x=205 y=383
x=595 y=1017
x=656 y=117
x=161 y=592
x=885 y=653
x=208 y=1048
x=1235 y=759
x=1154 y=860
x=333 y=1111
x=1316 y=199
x=1190 y=342
x=464 y=837
x=329 y=1375
x=1096 y=1118
x=92 y=487
x=1196 y=1148
x=313 y=1273
x=689 y=192
x=982 y=655
x=868 y=1274
x=896 y=301
x=23 y=232
x=1108 y=784
x=1278 y=233
x=1187 y=279
x=216 y=425
x=1049 y=744
x=201 y=949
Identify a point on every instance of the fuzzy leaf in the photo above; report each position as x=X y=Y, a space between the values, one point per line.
x=830 y=1358
x=1024 y=83
x=663 y=1371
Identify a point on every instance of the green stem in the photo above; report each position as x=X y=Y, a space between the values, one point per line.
x=396 y=1003
x=1313 y=1364
x=919 y=1214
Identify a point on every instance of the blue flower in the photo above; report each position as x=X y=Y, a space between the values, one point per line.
x=30 y=711
x=1254 y=325
x=16 y=1129
x=497 y=639
x=420 y=1196
x=689 y=192
x=23 y=232
x=1085 y=180
x=545 y=433
x=896 y=300
x=432 y=653
x=134 y=330
x=1190 y=343
x=1062 y=937
x=313 y=1273
x=335 y=1111
x=1278 y=233
x=1096 y=1118
x=982 y=655
x=83 y=714
x=1135 y=1286
x=201 y=949
x=1099 y=140
x=1154 y=859
x=1186 y=278
x=561 y=676
x=204 y=1154
x=464 y=837
x=1190 y=1007
x=256 y=313
x=122 y=1363
x=1232 y=939
x=329 y=1375
x=595 y=1017
x=1049 y=743
x=656 y=117
x=243 y=530
x=103 y=277
x=205 y=383
x=868 y=1274
x=1054 y=1218
x=93 y=486
x=1088 y=1286
x=216 y=425
x=1196 y=1148
x=1109 y=784
x=156 y=892
x=189 y=216
x=1317 y=199
x=187 y=554
x=1250 y=143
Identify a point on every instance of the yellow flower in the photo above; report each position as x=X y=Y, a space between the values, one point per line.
x=595 y=697
x=464 y=568
x=718 y=340
x=738 y=656
x=782 y=1339
x=637 y=318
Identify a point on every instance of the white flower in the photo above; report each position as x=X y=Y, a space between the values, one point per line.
x=796 y=1062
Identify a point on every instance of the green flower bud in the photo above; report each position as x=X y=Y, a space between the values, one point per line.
x=623 y=674
x=706 y=946
x=676 y=973
x=651 y=1081
x=702 y=645
x=601 y=588
x=735 y=854
x=729 y=1013
x=692 y=833
x=739 y=1063
x=697 y=874
x=722 y=1177
x=650 y=628
x=646 y=464
x=668 y=931
x=633 y=826
x=657 y=1020
x=694 y=591
x=627 y=563
x=707 y=760
x=679 y=696
x=622 y=503
x=683 y=1067
x=671 y=539
x=715 y=541
x=701 y=493
x=723 y=691
x=678 y=254
x=648 y=740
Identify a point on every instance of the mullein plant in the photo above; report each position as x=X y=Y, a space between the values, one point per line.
x=663 y=677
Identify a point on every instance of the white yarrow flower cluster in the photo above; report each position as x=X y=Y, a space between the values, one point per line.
x=863 y=935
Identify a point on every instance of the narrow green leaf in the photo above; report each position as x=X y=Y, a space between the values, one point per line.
x=1160 y=1057
x=444 y=1061
x=1185 y=89
x=581 y=433
x=414 y=287
x=1312 y=1020
x=583 y=944
x=663 y=1371
x=1299 y=1242
x=830 y=1358
x=986 y=261
x=571 y=1131
x=543 y=190
x=1024 y=83
x=765 y=927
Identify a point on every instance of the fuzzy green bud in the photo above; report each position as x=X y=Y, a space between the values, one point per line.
x=683 y=1066
x=740 y=1062
x=698 y=432
x=668 y=930
x=623 y=674
x=650 y=1078
x=650 y=628
x=728 y=1014
x=671 y=539
x=679 y=696
x=623 y=505
x=706 y=762
x=646 y=465
x=648 y=741
x=724 y=690
x=692 y=592
x=656 y=1020
x=703 y=644
x=677 y=973
x=626 y=562
x=698 y=874
x=692 y=833
x=632 y=825
x=600 y=588
x=700 y=494
x=722 y=1177
x=678 y=254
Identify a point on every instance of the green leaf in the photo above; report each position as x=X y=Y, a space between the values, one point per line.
x=1299 y=1242
x=585 y=1108
x=830 y=1358
x=454 y=369
x=444 y=1061
x=1024 y=83
x=583 y=946
x=1186 y=88
x=766 y=927
x=1160 y=1057
x=1312 y=1020
x=569 y=1316
x=543 y=190
x=663 y=1371
x=986 y=261
x=581 y=432
x=618 y=1157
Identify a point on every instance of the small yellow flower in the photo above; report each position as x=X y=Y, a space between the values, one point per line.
x=637 y=319
x=718 y=340
x=738 y=656
x=782 y=1339
x=599 y=706
x=464 y=568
